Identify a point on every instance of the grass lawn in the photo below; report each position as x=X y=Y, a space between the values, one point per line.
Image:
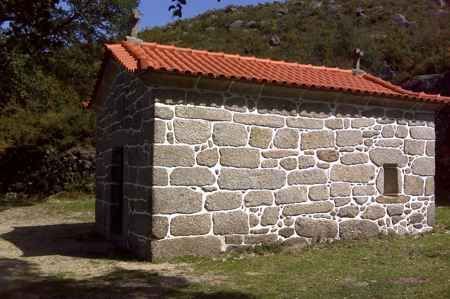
x=386 y=267
x=391 y=267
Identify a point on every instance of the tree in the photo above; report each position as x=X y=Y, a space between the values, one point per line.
x=50 y=53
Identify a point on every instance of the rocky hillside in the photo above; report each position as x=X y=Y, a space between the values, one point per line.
x=402 y=39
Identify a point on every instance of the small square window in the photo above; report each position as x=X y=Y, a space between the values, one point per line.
x=391 y=186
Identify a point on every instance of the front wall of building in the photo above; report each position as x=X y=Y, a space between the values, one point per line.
x=232 y=171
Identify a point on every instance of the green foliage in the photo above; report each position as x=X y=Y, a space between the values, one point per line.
x=325 y=35
x=51 y=52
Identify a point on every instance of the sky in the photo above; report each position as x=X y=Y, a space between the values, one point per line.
x=155 y=12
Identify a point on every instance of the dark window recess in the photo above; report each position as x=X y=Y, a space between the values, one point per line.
x=117 y=190
x=391 y=186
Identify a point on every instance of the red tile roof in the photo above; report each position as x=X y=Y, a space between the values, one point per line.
x=152 y=56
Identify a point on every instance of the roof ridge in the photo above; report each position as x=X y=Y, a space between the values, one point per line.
x=239 y=56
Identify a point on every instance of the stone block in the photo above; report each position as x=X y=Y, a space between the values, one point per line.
x=352 y=174
x=261 y=239
x=191 y=246
x=357 y=229
x=208 y=157
x=286 y=138
x=430 y=149
x=334 y=124
x=414 y=147
x=269 y=163
x=362 y=123
x=306 y=162
x=307 y=177
x=258 y=198
x=243 y=179
x=260 y=137
x=370 y=133
x=328 y=155
x=270 y=216
x=308 y=208
x=387 y=132
x=289 y=195
x=283 y=107
x=191 y=131
x=415 y=218
x=289 y=163
x=374 y=212
x=317 y=139
x=223 y=200
x=348 y=212
x=192 y=176
x=348 y=137
x=163 y=112
x=381 y=156
x=401 y=132
x=160 y=177
x=319 y=192
x=373 y=112
x=286 y=232
x=204 y=98
x=395 y=210
x=234 y=239
x=259 y=120
x=237 y=104
x=228 y=223
x=341 y=201
x=206 y=113
x=304 y=123
x=423 y=133
x=414 y=185
x=188 y=225
x=340 y=189
x=386 y=199
x=173 y=155
x=278 y=154
x=429 y=186
x=315 y=110
x=159 y=131
x=160 y=227
x=228 y=134
x=423 y=166
x=344 y=110
x=239 y=157
x=431 y=214
x=389 y=142
x=176 y=200
x=366 y=190
x=354 y=158
x=316 y=228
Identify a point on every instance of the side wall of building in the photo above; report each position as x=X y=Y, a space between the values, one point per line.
x=123 y=162
x=235 y=171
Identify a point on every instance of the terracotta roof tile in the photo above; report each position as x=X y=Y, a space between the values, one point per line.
x=153 y=56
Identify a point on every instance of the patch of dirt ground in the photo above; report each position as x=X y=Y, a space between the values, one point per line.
x=59 y=256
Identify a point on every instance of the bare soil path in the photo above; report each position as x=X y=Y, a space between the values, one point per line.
x=49 y=250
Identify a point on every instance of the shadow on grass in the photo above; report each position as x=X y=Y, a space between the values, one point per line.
x=20 y=279
x=77 y=240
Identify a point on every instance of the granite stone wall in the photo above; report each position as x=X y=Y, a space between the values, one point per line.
x=232 y=171
x=196 y=172
x=123 y=163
